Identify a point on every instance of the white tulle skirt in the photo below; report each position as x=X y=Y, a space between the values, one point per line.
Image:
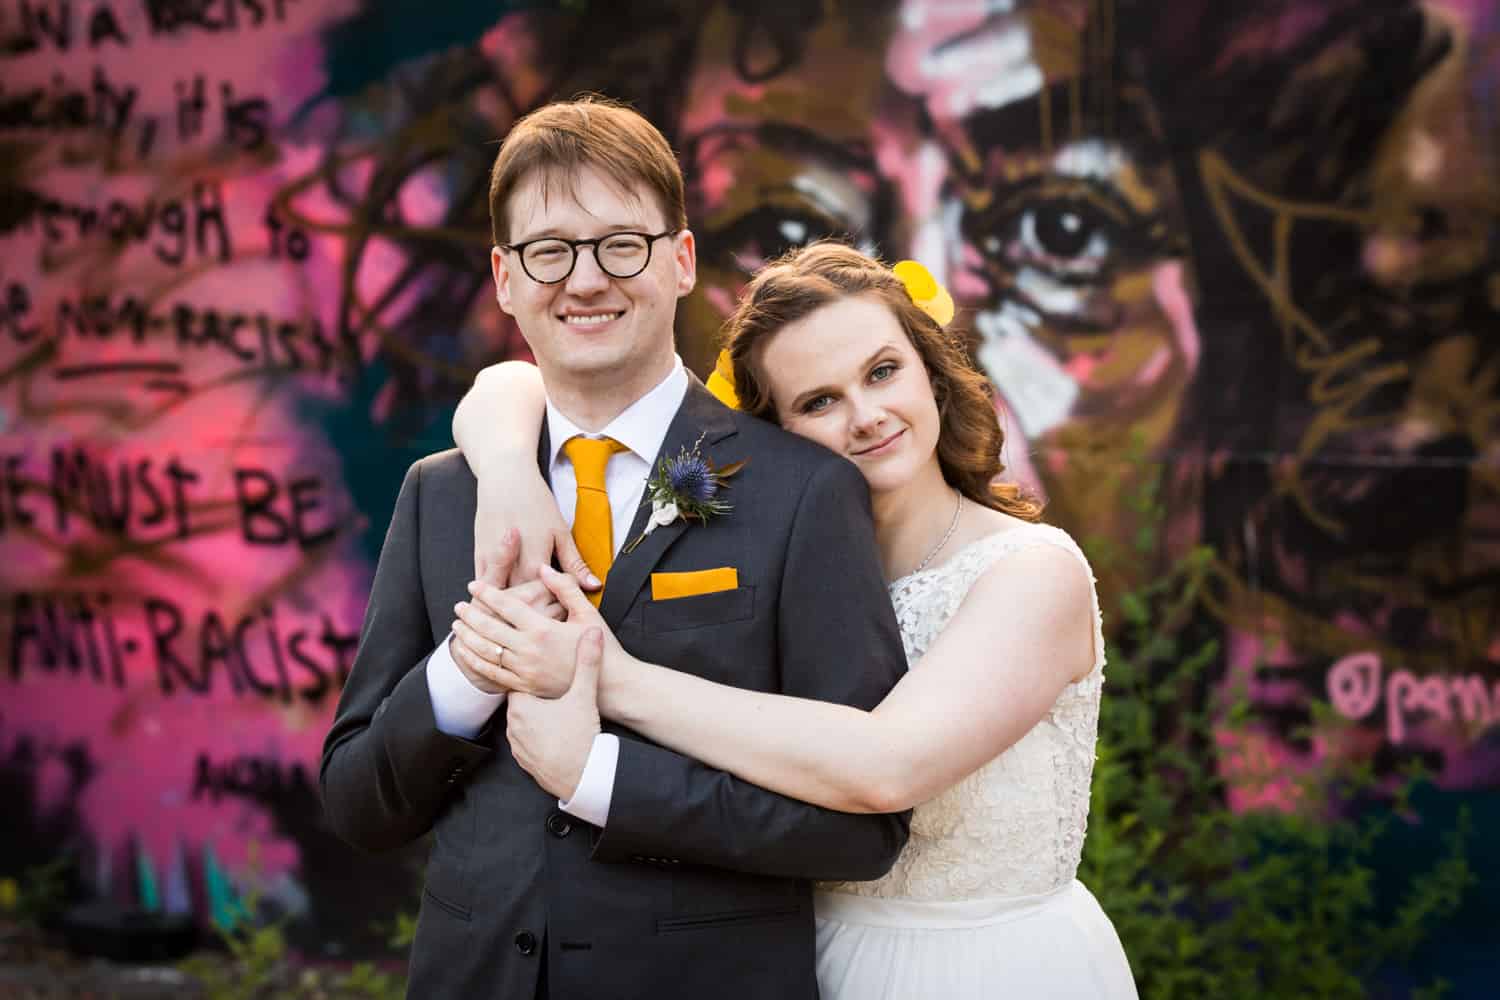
x=1058 y=944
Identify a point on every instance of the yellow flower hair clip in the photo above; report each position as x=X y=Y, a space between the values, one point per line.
x=929 y=296
x=721 y=382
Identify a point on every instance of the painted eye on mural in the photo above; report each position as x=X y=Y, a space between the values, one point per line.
x=1077 y=235
x=1064 y=232
x=765 y=233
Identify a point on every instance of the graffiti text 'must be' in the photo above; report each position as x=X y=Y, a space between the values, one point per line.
x=140 y=501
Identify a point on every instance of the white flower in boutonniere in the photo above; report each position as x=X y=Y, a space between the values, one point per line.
x=662 y=514
x=687 y=487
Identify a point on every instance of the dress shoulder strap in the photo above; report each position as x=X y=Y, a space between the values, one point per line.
x=980 y=554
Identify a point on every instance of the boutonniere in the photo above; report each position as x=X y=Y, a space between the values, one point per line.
x=689 y=487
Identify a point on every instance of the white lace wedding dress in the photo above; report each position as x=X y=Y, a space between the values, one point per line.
x=984 y=902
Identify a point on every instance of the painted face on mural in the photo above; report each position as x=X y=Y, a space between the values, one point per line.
x=592 y=329
x=848 y=377
x=776 y=161
x=1366 y=569
x=1057 y=221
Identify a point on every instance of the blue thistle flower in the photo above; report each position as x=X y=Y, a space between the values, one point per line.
x=690 y=478
x=686 y=487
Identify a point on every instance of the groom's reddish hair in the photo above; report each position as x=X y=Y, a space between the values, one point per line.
x=560 y=139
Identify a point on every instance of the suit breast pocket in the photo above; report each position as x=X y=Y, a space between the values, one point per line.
x=699 y=611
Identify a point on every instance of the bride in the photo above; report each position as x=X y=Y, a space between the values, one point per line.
x=990 y=735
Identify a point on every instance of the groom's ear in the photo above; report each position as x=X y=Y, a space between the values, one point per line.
x=685 y=252
x=500 y=268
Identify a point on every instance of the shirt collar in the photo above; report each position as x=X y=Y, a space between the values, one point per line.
x=641 y=426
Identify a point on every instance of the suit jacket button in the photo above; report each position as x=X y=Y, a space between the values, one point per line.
x=526 y=942
x=558 y=825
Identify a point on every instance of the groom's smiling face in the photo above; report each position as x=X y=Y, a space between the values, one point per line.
x=593 y=328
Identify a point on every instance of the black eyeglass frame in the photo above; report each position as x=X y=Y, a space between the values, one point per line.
x=519 y=249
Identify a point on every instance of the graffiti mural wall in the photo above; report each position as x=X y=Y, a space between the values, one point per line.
x=244 y=279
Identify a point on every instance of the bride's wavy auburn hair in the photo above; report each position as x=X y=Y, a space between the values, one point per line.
x=819 y=274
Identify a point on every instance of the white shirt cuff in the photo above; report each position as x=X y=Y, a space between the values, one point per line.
x=596 y=788
x=458 y=707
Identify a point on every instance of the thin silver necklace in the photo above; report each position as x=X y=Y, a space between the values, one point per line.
x=944 y=540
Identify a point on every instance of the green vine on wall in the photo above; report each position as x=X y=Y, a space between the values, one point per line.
x=259 y=965
x=1210 y=901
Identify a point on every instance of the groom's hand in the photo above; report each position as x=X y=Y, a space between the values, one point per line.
x=551 y=738
x=540 y=640
x=476 y=645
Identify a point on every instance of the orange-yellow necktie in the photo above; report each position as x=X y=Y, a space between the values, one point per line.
x=593 y=523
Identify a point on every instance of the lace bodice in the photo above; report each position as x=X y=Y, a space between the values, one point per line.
x=1015 y=826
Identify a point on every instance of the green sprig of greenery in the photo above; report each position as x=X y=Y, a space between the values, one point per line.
x=1213 y=901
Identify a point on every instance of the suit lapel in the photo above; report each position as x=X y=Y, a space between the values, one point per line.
x=543 y=452
x=700 y=414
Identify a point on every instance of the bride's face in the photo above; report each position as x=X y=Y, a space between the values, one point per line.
x=848 y=377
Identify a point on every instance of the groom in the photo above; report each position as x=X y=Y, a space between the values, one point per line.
x=658 y=877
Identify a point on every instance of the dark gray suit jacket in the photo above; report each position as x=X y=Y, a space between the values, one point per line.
x=698 y=885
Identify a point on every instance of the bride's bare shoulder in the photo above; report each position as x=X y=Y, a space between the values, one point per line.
x=979 y=522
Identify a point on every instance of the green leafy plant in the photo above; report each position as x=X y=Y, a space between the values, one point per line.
x=39 y=892
x=260 y=966
x=1213 y=901
x=403 y=931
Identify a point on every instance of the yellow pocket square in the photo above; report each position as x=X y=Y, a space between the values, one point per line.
x=668 y=586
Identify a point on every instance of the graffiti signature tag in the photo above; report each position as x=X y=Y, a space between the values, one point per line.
x=1354 y=687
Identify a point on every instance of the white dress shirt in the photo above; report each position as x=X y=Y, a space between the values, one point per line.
x=460 y=708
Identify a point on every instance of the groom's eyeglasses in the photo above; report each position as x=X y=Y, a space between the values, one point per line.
x=619 y=255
